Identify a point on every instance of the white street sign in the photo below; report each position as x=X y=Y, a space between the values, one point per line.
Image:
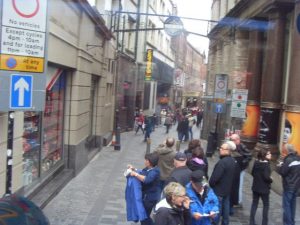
x=239 y=103
x=238 y=109
x=221 y=86
x=25 y=14
x=22 y=42
x=239 y=94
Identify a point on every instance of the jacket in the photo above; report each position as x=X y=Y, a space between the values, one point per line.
x=245 y=154
x=290 y=172
x=151 y=185
x=164 y=214
x=198 y=164
x=180 y=175
x=134 y=203
x=210 y=204
x=262 y=180
x=166 y=157
x=222 y=176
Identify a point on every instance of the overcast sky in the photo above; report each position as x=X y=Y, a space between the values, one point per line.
x=200 y=9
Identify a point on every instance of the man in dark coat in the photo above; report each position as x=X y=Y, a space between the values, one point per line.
x=221 y=179
x=242 y=156
x=289 y=169
x=181 y=173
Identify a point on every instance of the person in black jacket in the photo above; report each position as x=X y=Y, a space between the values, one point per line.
x=181 y=173
x=221 y=179
x=261 y=185
x=289 y=169
x=243 y=156
x=174 y=208
x=198 y=161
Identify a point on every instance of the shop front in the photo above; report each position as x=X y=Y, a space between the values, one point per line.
x=42 y=139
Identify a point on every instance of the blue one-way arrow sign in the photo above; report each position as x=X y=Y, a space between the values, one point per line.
x=21 y=91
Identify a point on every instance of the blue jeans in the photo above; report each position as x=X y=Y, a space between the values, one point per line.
x=224 y=203
x=289 y=207
x=191 y=132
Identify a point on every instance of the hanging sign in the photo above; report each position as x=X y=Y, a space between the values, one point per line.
x=149 y=58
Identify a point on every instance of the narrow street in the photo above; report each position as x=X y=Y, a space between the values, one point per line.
x=96 y=195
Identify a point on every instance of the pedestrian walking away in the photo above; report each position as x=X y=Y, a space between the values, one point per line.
x=140 y=121
x=166 y=154
x=261 y=185
x=289 y=169
x=168 y=123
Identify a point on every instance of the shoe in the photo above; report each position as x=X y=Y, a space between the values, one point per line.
x=240 y=205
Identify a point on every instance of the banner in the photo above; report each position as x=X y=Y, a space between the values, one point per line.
x=251 y=123
x=268 y=126
x=291 y=131
x=149 y=58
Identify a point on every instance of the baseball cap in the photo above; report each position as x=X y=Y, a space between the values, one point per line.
x=198 y=177
x=180 y=156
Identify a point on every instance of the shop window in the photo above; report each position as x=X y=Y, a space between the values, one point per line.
x=52 y=150
x=31 y=146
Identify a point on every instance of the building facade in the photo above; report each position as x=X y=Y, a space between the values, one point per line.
x=256 y=43
x=57 y=143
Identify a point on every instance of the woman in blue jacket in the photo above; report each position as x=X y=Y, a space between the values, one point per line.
x=204 y=206
x=149 y=177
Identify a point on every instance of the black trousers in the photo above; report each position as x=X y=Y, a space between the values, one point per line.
x=266 y=203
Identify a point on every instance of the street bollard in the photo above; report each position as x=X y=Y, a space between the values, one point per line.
x=177 y=145
x=148 y=145
x=117 y=145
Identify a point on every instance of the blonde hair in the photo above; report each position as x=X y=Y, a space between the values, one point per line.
x=175 y=189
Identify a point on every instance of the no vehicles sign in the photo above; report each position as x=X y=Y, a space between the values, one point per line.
x=23 y=35
x=25 y=14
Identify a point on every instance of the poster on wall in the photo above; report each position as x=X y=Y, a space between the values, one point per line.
x=291 y=131
x=268 y=126
x=251 y=122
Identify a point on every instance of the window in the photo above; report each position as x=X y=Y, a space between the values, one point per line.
x=93 y=104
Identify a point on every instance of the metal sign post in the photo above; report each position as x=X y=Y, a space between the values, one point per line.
x=9 y=154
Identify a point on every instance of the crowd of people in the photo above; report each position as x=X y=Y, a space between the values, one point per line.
x=185 y=119
x=175 y=187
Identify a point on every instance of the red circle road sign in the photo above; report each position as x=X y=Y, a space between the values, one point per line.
x=221 y=84
x=26 y=15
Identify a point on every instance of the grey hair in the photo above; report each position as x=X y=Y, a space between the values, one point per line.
x=231 y=145
x=290 y=148
x=174 y=188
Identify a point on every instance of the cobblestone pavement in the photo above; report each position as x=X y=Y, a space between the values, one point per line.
x=96 y=195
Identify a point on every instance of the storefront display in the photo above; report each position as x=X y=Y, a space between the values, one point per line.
x=53 y=124
x=31 y=146
x=46 y=128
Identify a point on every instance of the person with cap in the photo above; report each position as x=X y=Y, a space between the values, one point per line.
x=174 y=208
x=181 y=173
x=289 y=170
x=222 y=178
x=204 y=206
